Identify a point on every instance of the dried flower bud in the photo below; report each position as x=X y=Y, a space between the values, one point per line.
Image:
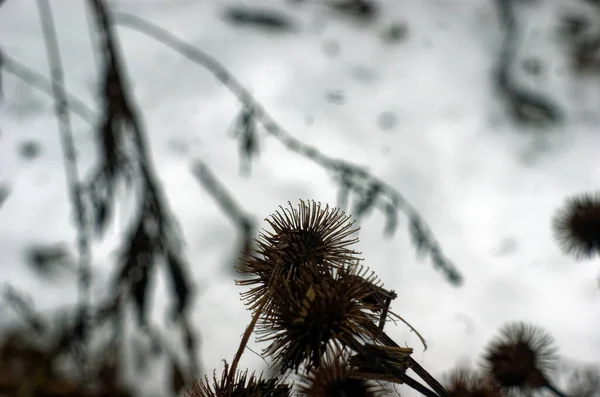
x=335 y=378
x=243 y=385
x=463 y=382
x=305 y=238
x=313 y=315
x=520 y=358
x=577 y=226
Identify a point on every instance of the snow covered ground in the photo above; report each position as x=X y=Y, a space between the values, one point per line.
x=487 y=187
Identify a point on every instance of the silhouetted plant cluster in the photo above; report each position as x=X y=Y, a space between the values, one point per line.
x=320 y=310
x=153 y=237
x=323 y=313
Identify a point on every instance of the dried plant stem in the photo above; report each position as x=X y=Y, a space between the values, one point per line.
x=229 y=206
x=414 y=384
x=68 y=146
x=417 y=368
x=427 y=378
x=42 y=83
x=244 y=341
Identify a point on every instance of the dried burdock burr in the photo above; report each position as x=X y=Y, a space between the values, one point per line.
x=379 y=298
x=336 y=378
x=314 y=316
x=464 y=382
x=241 y=385
x=577 y=226
x=307 y=237
x=311 y=300
x=520 y=359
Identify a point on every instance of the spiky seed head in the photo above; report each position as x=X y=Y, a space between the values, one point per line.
x=520 y=358
x=335 y=378
x=355 y=273
x=312 y=317
x=464 y=382
x=577 y=226
x=309 y=237
x=243 y=385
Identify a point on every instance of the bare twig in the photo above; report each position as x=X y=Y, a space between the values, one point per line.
x=66 y=134
x=225 y=200
x=44 y=85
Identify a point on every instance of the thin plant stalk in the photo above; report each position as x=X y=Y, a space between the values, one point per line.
x=71 y=171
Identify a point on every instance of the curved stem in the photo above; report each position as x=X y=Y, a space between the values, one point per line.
x=244 y=342
x=71 y=169
x=414 y=384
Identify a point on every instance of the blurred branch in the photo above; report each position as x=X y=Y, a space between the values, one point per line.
x=23 y=306
x=44 y=85
x=4 y=193
x=526 y=107
x=155 y=234
x=69 y=153
x=223 y=198
x=244 y=222
x=357 y=175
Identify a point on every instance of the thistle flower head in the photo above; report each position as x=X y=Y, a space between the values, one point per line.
x=309 y=237
x=379 y=296
x=520 y=358
x=577 y=226
x=243 y=385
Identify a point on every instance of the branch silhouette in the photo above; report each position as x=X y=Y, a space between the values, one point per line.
x=369 y=188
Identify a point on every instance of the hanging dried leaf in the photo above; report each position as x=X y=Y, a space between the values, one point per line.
x=4 y=192
x=265 y=19
x=179 y=282
x=24 y=307
x=1 y=67
x=135 y=274
x=418 y=235
x=391 y=220
x=367 y=200
x=345 y=182
x=177 y=378
x=46 y=260
x=245 y=131
x=190 y=340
